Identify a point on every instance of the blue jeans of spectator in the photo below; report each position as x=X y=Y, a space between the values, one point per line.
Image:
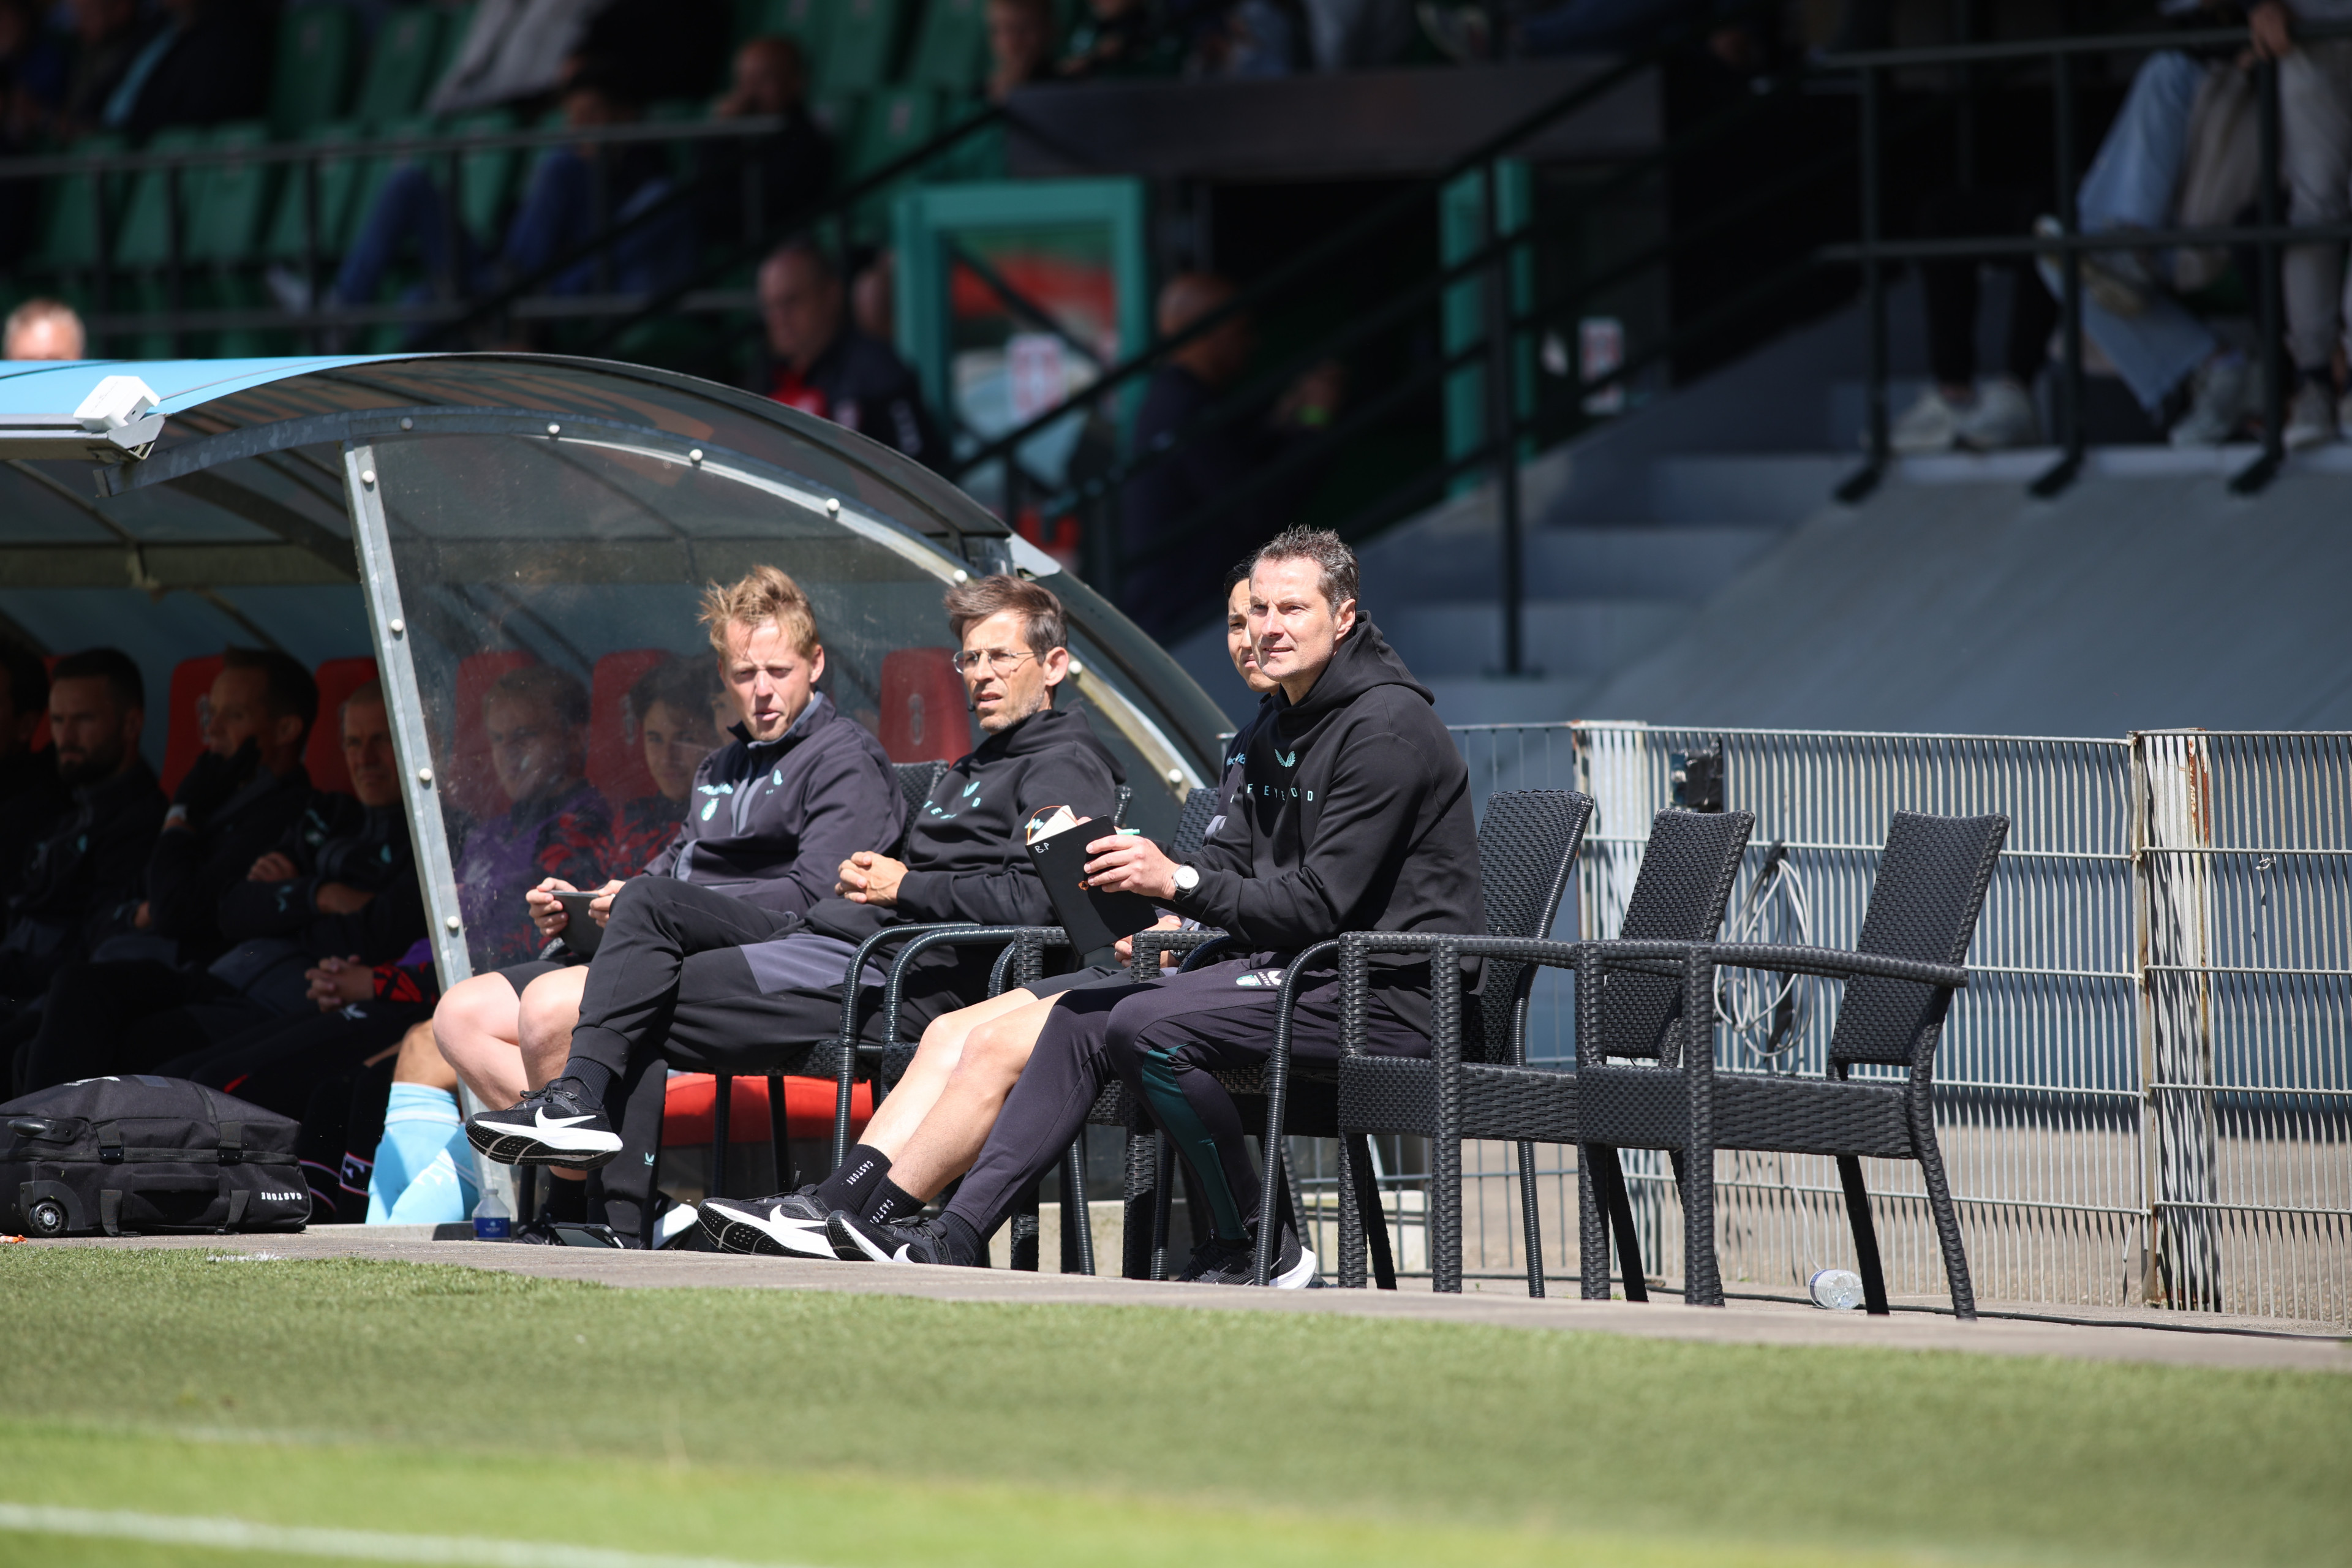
x=1586 y=26
x=2130 y=186
x=558 y=214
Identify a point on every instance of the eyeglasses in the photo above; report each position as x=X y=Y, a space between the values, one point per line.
x=999 y=661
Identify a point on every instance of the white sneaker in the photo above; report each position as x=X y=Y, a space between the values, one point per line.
x=2003 y=416
x=2310 y=416
x=2217 y=405
x=1931 y=425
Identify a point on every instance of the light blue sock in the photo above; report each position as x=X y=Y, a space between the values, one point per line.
x=422 y=1138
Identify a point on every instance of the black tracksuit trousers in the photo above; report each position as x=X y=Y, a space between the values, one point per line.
x=670 y=986
x=1166 y=1038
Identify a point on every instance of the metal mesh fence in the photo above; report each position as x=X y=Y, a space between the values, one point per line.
x=2142 y=1094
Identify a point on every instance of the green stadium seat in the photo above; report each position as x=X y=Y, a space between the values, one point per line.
x=861 y=47
x=146 y=238
x=70 y=221
x=457 y=21
x=338 y=177
x=225 y=226
x=951 y=47
x=317 y=47
x=400 y=66
x=891 y=125
x=485 y=180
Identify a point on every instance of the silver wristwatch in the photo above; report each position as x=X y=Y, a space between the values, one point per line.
x=1187 y=878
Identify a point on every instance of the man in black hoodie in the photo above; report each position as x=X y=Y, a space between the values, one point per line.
x=1354 y=815
x=83 y=880
x=720 y=979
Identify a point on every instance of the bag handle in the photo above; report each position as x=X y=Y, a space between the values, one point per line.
x=110 y=1211
x=236 y=1201
x=109 y=1145
x=232 y=1143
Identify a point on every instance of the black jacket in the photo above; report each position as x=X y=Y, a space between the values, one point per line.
x=771 y=824
x=32 y=798
x=967 y=855
x=86 y=876
x=862 y=383
x=1354 y=815
x=193 y=866
x=336 y=840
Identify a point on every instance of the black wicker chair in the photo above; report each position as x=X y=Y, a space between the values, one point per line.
x=1899 y=978
x=1484 y=1089
x=1526 y=843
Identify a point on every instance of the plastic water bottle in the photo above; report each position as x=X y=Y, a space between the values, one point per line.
x=1838 y=1289
x=494 y=1215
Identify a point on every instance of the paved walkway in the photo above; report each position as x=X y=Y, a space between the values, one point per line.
x=2119 y=1335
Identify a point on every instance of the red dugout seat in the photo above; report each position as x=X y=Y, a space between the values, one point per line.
x=808 y=1109
x=924 y=715
x=472 y=785
x=323 y=757
x=184 y=720
x=617 y=752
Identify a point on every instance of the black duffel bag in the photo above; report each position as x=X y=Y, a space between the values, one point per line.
x=140 y=1153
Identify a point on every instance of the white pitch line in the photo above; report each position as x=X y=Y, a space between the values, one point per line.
x=367 y=1545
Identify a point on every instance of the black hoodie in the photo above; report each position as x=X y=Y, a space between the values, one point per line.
x=1354 y=815
x=336 y=840
x=967 y=857
x=771 y=823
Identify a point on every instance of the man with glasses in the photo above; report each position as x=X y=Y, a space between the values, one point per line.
x=686 y=973
x=1353 y=814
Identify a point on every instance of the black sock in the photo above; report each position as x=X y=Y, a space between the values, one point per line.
x=888 y=1203
x=848 y=1189
x=962 y=1241
x=590 y=1082
x=566 y=1202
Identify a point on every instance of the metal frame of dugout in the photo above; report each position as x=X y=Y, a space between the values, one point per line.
x=494 y=511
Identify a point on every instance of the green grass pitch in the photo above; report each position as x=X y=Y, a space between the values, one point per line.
x=864 y=1432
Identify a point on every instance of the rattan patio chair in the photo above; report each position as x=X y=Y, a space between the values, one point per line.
x=1526 y=843
x=1899 y=981
x=1482 y=1086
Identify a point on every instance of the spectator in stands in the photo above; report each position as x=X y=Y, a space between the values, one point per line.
x=198 y=62
x=246 y=789
x=794 y=166
x=825 y=366
x=1120 y=38
x=83 y=880
x=537 y=719
x=558 y=215
x=971 y=1058
x=43 y=329
x=797 y=791
x=2179 y=370
x=1956 y=411
x=2314 y=85
x=513 y=51
x=687 y=965
x=1387 y=845
x=339 y=882
x=1170 y=540
x=1020 y=45
x=32 y=796
x=106 y=35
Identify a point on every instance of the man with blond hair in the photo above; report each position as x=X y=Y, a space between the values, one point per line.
x=770 y=818
x=686 y=975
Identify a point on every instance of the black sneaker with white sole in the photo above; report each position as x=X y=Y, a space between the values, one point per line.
x=1218 y=1262
x=548 y=1127
x=789 y=1224
x=856 y=1240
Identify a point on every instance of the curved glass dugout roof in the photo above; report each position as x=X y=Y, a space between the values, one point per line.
x=525 y=509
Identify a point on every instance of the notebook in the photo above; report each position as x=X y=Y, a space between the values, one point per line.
x=1094 y=918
